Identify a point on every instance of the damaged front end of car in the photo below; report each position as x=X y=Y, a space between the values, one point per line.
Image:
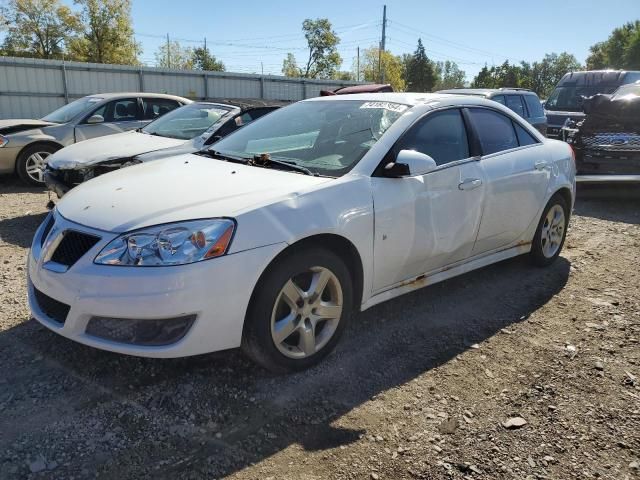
x=607 y=141
x=66 y=176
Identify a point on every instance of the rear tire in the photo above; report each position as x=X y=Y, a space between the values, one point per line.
x=298 y=311
x=32 y=161
x=551 y=232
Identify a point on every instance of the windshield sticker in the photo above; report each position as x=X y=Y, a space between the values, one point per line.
x=393 y=107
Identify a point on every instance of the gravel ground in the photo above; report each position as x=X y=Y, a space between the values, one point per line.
x=508 y=372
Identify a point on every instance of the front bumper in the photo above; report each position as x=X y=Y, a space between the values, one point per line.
x=216 y=292
x=54 y=183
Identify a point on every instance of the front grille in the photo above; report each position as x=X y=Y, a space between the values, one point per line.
x=73 y=246
x=47 y=228
x=52 y=308
x=619 y=142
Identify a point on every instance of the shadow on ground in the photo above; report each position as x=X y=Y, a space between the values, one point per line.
x=163 y=415
x=616 y=203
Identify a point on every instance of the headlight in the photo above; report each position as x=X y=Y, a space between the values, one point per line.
x=3 y=141
x=170 y=244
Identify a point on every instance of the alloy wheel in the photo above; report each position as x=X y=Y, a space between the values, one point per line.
x=306 y=313
x=552 y=231
x=35 y=165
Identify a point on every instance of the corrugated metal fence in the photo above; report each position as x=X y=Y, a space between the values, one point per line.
x=31 y=88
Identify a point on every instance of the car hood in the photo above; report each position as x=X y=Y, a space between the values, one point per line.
x=110 y=147
x=180 y=188
x=7 y=127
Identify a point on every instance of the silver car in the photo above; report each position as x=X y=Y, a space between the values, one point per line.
x=26 y=144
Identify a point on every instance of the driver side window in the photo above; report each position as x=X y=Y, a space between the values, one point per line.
x=123 y=110
x=441 y=135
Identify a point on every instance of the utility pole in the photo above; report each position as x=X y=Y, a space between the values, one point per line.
x=168 y=52
x=358 y=66
x=262 y=68
x=205 y=45
x=384 y=40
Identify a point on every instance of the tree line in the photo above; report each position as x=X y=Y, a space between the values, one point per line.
x=416 y=72
x=101 y=31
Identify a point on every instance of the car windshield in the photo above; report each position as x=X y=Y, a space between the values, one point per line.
x=324 y=137
x=71 y=110
x=570 y=98
x=186 y=122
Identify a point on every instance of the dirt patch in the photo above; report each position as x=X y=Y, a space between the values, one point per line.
x=507 y=372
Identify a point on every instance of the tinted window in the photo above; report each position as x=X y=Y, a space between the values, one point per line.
x=495 y=130
x=156 y=107
x=534 y=106
x=441 y=135
x=123 y=110
x=514 y=102
x=499 y=99
x=524 y=137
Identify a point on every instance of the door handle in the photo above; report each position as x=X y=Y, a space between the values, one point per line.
x=541 y=165
x=470 y=183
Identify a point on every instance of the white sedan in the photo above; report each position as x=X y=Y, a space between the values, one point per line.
x=271 y=239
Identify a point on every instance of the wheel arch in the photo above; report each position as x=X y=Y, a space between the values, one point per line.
x=337 y=244
x=566 y=195
x=51 y=143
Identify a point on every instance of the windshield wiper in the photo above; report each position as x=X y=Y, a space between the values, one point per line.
x=224 y=156
x=265 y=159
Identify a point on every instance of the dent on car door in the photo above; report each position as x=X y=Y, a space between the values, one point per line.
x=426 y=222
x=117 y=116
x=515 y=166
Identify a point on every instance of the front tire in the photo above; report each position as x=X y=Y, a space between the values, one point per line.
x=298 y=311
x=551 y=232
x=31 y=163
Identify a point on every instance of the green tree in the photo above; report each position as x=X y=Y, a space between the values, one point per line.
x=290 y=67
x=370 y=63
x=347 y=76
x=108 y=33
x=449 y=75
x=620 y=51
x=37 y=28
x=174 y=55
x=203 y=59
x=420 y=71
x=323 y=60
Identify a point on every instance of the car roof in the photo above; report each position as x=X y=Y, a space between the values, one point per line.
x=113 y=95
x=486 y=91
x=247 y=103
x=406 y=98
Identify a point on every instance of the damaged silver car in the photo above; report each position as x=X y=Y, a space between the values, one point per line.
x=185 y=130
x=25 y=145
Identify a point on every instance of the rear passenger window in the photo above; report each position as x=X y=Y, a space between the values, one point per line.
x=514 y=102
x=441 y=135
x=534 y=106
x=156 y=107
x=495 y=131
x=524 y=137
x=499 y=99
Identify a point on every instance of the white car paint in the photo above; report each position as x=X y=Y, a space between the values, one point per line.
x=111 y=147
x=408 y=232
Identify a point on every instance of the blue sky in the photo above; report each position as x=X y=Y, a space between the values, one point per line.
x=249 y=35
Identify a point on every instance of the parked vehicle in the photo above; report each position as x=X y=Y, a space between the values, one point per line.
x=367 y=88
x=565 y=102
x=522 y=101
x=184 y=130
x=272 y=237
x=26 y=144
x=607 y=141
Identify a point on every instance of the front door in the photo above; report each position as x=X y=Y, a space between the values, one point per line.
x=424 y=223
x=118 y=116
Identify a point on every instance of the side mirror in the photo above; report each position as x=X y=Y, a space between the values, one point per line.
x=95 y=119
x=410 y=163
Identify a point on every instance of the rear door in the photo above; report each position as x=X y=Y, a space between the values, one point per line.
x=426 y=222
x=118 y=116
x=516 y=169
